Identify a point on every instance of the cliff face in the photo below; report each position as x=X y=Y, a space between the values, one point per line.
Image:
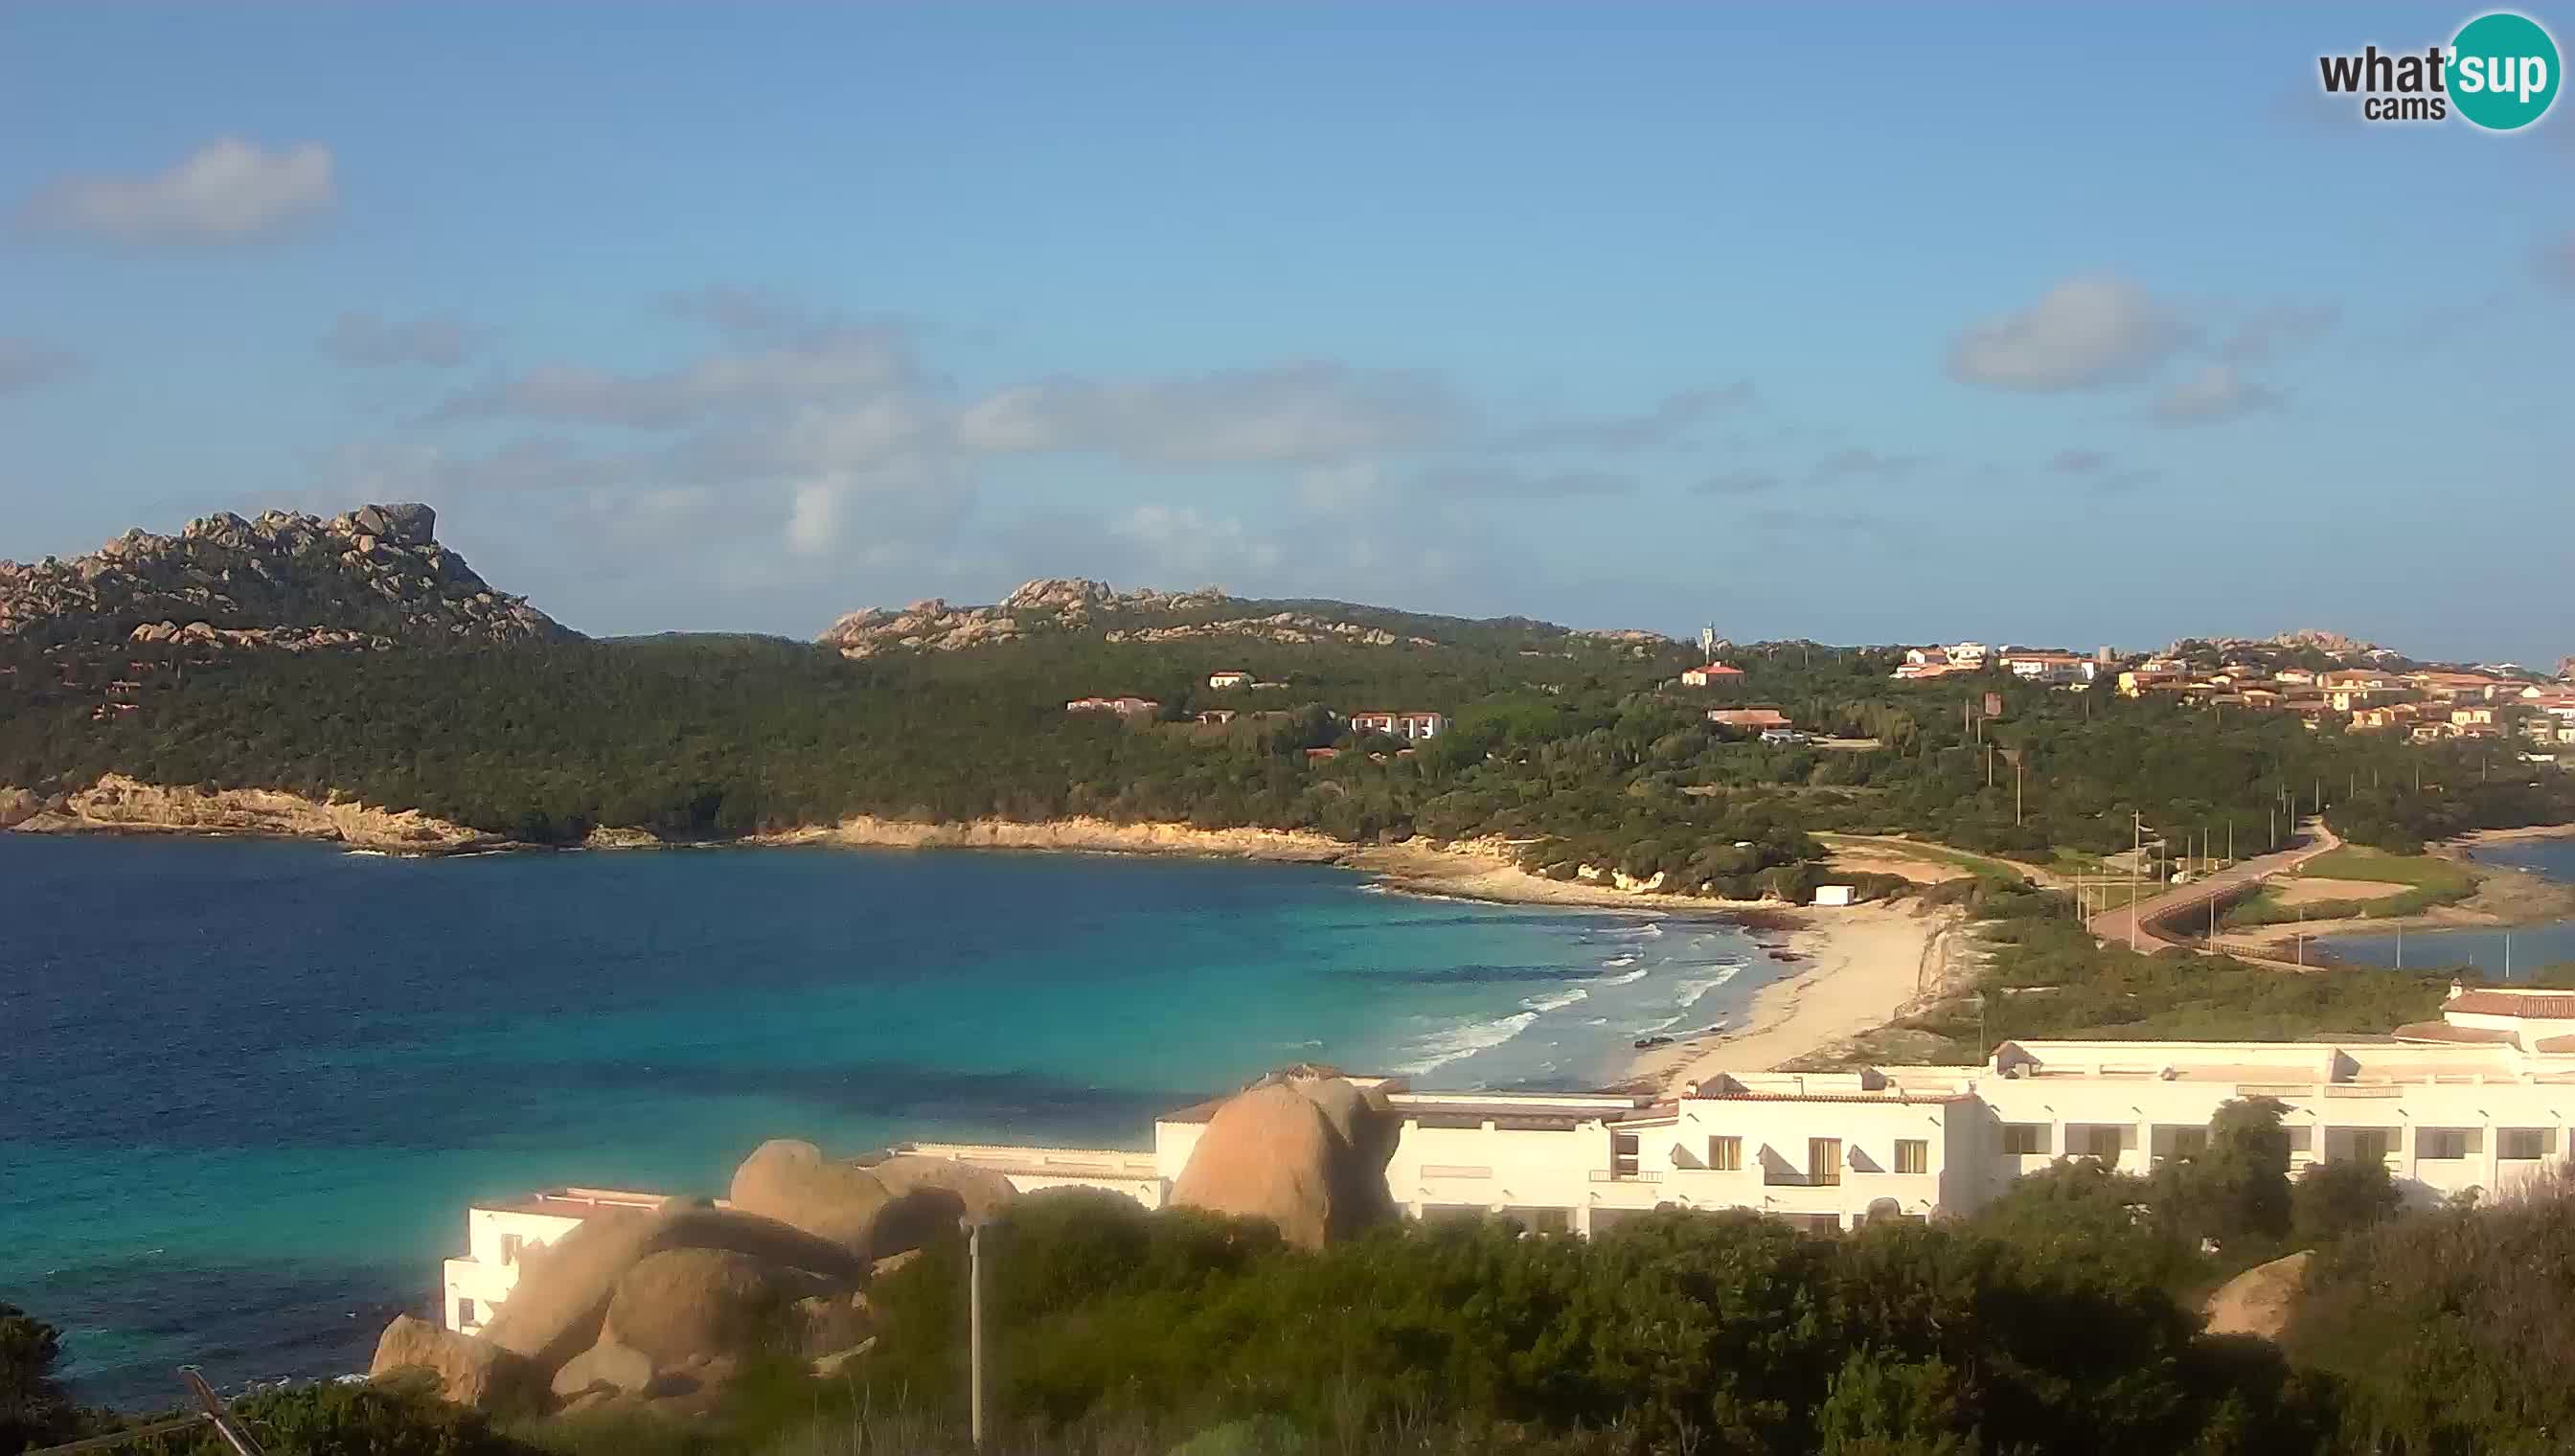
x=372 y=578
x=119 y=802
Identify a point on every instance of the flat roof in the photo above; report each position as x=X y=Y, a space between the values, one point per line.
x=572 y=1203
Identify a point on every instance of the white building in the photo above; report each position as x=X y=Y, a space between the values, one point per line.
x=2482 y=1098
x=1229 y=678
x=1409 y=726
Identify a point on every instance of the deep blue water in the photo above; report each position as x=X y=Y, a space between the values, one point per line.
x=2530 y=948
x=247 y=1088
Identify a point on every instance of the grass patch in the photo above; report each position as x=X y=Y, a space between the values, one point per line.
x=2429 y=879
x=2423 y=872
x=1993 y=871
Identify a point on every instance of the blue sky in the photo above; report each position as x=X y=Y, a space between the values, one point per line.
x=2062 y=325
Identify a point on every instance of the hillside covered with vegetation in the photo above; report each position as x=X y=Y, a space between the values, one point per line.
x=1583 y=747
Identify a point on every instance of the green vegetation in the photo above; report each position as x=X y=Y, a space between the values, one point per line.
x=34 y=1411
x=2429 y=879
x=1583 y=751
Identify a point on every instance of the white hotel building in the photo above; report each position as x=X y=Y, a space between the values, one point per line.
x=2482 y=1098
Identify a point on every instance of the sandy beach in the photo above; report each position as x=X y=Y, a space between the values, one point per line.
x=1859 y=968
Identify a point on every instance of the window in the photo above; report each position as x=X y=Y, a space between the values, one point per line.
x=1913 y=1155
x=1823 y=1160
x=2024 y=1138
x=2189 y=1142
x=2522 y=1144
x=2369 y=1144
x=2100 y=1142
x=464 y=1310
x=1726 y=1154
x=510 y=1243
x=2441 y=1142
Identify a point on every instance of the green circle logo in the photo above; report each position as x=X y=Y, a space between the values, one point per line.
x=2503 y=71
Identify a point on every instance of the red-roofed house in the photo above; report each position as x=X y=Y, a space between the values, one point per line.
x=1713 y=675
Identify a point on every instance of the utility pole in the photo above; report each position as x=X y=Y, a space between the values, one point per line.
x=974 y=1326
x=2400 y=943
x=2136 y=859
x=2302 y=937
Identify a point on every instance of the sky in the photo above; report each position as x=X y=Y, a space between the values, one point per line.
x=2066 y=326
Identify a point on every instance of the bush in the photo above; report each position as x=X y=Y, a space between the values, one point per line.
x=2334 y=1200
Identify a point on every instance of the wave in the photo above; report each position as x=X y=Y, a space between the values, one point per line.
x=1619 y=961
x=1556 y=1003
x=1459 y=1042
x=1627 y=978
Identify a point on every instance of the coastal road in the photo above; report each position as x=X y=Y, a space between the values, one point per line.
x=2172 y=906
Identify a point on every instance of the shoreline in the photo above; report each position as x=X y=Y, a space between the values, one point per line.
x=1845 y=970
x=2504 y=900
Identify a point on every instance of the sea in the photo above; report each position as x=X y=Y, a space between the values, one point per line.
x=2498 y=953
x=248 y=1088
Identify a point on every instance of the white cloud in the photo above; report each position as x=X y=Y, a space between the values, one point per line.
x=26 y=364
x=227 y=190
x=1857 y=463
x=2211 y=392
x=814 y=521
x=1737 y=483
x=2086 y=331
x=1288 y=413
x=1666 y=424
x=1499 y=480
x=368 y=340
x=840 y=363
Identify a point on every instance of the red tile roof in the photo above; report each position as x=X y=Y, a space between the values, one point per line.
x=2509 y=1003
x=2444 y=1031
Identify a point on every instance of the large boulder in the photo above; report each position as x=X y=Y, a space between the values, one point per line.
x=2258 y=1301
x=1309 y=1154
x=562 y=1298
x=699 y=1304
x=793 y=1184
x=607 y=1365
x=981 y=1192
x=469 y=1372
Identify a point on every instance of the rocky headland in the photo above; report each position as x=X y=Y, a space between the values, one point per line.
x=371 y=578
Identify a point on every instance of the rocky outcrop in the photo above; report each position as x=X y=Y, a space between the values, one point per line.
x=126 y=805
x=469 y=1372
x=1302 y=1148
x=1096 y=836
x=370 y=579
x=1287 y=628
x=560 y=1303
x=691 y=1304
x=978 y=1193
x=607 y=1365
x=793 y=1184
x=1055 y=604
x=2258 y=1301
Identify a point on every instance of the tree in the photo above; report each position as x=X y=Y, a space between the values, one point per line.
x=34 y=1411
x=2336 y=1199
x=2237 y=1191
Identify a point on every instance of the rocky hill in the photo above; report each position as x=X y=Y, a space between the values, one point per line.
x=371 y=577
x=1073 y=604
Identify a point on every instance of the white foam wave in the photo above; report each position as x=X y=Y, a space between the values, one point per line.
x=1459 y=1042
x=1619 y=961
x=1628 y=977
x=1556 y=1003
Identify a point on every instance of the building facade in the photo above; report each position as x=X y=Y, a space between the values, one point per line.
x=2482 y=1098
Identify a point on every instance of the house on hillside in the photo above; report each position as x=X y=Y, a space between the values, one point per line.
x=1969 y=654
x=1750 y=719
x=1408 y=726
x=1926 y=656
x=1125 y=706
x=1713 y=675
x=2048 y=667
x=1229 y=678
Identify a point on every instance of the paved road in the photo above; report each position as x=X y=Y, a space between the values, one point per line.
x=2172 y=906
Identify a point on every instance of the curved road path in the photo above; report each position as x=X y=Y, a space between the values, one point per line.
x=2173 y=904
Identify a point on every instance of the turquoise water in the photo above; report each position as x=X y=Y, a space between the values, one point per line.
x=2487 y=951
x=246 y=1089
